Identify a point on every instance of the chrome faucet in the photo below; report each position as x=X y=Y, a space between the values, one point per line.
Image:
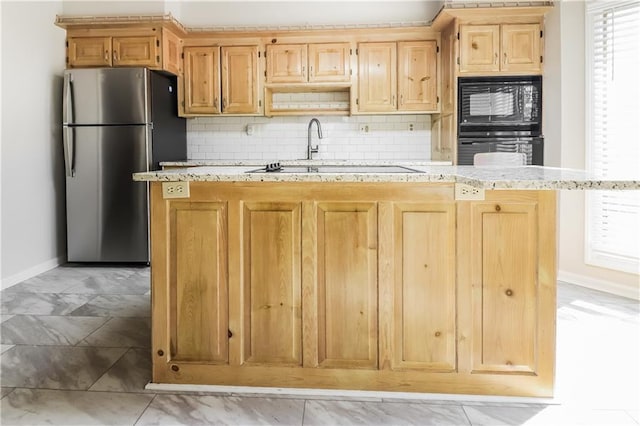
x=313 y=149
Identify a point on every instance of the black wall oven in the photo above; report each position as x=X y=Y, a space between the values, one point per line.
x=500 y=114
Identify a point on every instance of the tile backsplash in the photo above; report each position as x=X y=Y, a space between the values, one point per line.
x=370 y=137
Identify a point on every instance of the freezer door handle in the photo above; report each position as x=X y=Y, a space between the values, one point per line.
x=69 y=152
x=67 y=99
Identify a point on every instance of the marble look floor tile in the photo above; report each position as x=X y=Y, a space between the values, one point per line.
x=44 y=284
x=48 y=330
x=3 y=318
x=132 y=284
x=205 y=410
x=42 y=303
x=56 y=367
x=39 y=406
x=4 y=348
x=551 y=415
x=115 y=305
x=305 y=396
x=4 y=392
x=381 y=413
x=634 y=414
x=130 y=374
x=121 y=332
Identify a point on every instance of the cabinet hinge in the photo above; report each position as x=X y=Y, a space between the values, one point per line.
x=258 y=53
x=265 y=73
x=437 y=49
x=259 y=102
x=182 y=55
x=158 y=59
x=540 y=33
x=66 y=43
x=350 y=72
x=350 y=52
x=540 y=58
x=356 y=51
x=458 y=36
x=357 y=101
x=157 y=43
x=437 y=99
x=458 y=60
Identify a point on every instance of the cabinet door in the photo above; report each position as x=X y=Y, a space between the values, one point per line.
x=479 y=48
x=505 y=299
x=521 y=48
x=417 y=80
x=201 y=80
x=198 y=282
x=136 y=51
x=171 y=52
x=286 y=63
x=448 y=70
x=89 y=52
x=424 y=316
x=377 y=77
x=240 y=80
x=329 y=62
x=272 y=331
x=347 y=285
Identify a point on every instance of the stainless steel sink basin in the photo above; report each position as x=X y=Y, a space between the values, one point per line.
x=337 y=169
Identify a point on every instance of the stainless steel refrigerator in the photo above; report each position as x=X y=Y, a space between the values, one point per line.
x=116 y=121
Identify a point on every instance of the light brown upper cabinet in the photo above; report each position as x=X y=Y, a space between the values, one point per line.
x=500 y=48
x=221 y=80
x=126 y=51
x=302 y=63
x=397 y=77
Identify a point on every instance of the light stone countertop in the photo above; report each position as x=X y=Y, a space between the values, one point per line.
x=258 y=163
x=488 y=177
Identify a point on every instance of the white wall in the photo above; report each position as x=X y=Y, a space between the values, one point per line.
x=33 y=222
x=565 y=142
x=389 y=137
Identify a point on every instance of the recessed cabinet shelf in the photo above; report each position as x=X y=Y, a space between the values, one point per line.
x=305 y=98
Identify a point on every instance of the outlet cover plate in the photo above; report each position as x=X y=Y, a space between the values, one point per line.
x=175 y=189
x=467 y=192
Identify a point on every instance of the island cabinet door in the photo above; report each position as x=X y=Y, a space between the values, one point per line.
x=341 y=285
x=197 y=287
x=508 y=286
x=271 y=283
x=424 y=290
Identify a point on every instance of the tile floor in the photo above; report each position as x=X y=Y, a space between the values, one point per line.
x=75 y=350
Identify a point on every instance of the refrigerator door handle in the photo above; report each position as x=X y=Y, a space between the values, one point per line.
x=69 y=154
x=67 y=100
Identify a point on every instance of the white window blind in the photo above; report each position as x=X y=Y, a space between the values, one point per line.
x=613 y=131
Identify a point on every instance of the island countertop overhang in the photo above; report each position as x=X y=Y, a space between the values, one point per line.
x=524 y=177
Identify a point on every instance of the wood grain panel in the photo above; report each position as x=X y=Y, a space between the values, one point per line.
x=198 y=271
x=240 y=79
x=272 y=282
x=425 y=287
x=377 y=74
x=136 y=51
x=202 y=80
x=171 y=52
x=417 y=78
x=521 y=48
x=329 y=62
x=89 y=51
x=479 y=48
x=287 y=63
x=347 y=285
x=505 y=272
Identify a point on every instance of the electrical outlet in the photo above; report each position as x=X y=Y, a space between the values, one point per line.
x=411 y=127
x=175 y=189
x=468 y=192
x=364 y=128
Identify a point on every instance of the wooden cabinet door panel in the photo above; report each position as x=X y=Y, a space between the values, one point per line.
x=198 y=301
x=202 y=80
x=479 y=48
x=417 y=79
x=136 y=51
x=272 y=283
x=377 y=77
x=171 y=52
x=286 y=63
x=240 y=79
x=347 y=285
x=504 y=278
x=329 y=62
x=425 y=287
x=89 y=51
x=521 y=48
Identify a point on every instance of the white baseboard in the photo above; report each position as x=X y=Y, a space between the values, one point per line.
x=600 y=284
x=33 y=271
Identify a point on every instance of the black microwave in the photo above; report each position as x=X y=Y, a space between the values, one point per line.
x=500 y=106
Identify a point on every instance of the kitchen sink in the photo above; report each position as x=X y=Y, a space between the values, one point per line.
x=334 y=169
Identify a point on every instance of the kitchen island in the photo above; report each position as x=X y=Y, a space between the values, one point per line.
x=441 y=279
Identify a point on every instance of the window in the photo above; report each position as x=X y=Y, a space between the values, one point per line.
x=613 y=131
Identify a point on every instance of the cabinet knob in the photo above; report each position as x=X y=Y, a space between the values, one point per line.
x=498 y=208
x=509 y=292
x=106 y=55
x=160 y=352
x=175 y=367
x=229 y=334
x=495 y=58
x=505 y=57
